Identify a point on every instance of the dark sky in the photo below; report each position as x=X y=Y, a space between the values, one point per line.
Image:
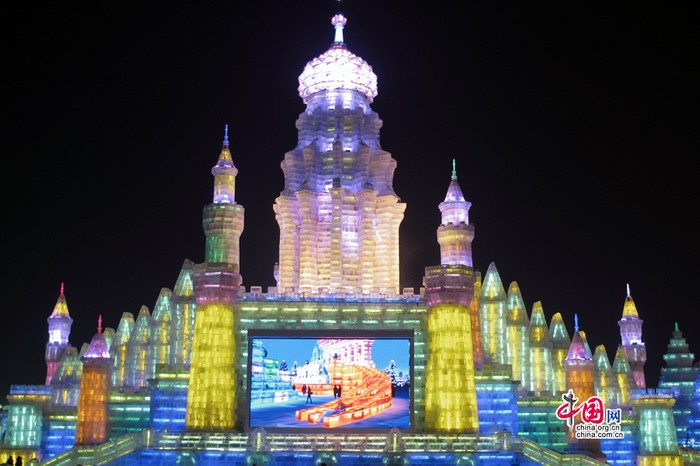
x=574 y=126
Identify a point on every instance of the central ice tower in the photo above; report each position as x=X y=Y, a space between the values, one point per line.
x=338 y=214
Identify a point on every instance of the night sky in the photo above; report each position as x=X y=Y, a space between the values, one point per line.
x=574 y=127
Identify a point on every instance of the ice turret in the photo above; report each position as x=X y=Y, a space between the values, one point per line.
x=120 y=349
x=184 y=307
x=623 y=373
x=59 y=331
x=137 y=358
x=159 y=350
x=631 y=339
x=223 y=218
x=581 y=381
x=560 y=348
x=338 y=214
x=541 y=374
x=492 y=311
x=606 y=386
x=91 y=427
x=476 y=323
x=455 y=234
x=65 y=384
x=518 y=331
x=211 y=395
x=449 y=289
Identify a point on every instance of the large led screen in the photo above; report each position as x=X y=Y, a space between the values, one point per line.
x=330 y=380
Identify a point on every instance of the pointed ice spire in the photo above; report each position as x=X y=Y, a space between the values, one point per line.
x=629 y=311
x=184 y=285
x=585 y=341
x=560 y=349
x=141 y=332
x=339 y=21
x=61 y=307
x=539 y=333
x=600 y=357
x=517 y=314
x=110 y=335
x=575 y=323
x=98 y=346
x=623 y=372
x=225 y=175
x=492 y=286
x=162 y=311
x=454 y=192
x=578 y=349
x=557 y=331
x=542 y=377
x=606 y=386
x=621 y=363
x=126 y=325
x=69 y=368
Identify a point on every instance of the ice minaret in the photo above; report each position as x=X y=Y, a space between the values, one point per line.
x=211 y=397
x=455 y=234
x=338 y=214
x=223 y=218
x=631 y=336
x=91 y=425
x=59 y=330
x=450 y=390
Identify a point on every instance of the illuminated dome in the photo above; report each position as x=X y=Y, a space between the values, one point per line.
x=337 y=68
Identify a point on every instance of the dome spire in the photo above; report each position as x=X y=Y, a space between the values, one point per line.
x=576 y=323
x=628 y=291
x=454 y=170
x=339 y=21
x=226 y=135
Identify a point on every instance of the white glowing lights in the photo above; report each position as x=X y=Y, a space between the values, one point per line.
x=337 y=68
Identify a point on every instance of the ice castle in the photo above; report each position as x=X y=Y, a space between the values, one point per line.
x=336 y=364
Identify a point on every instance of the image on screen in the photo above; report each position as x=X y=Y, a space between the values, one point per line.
x=330 y=381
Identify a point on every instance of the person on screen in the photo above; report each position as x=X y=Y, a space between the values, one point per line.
x=308 y=395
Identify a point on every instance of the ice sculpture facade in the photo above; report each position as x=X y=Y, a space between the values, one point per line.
x=173 y=386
